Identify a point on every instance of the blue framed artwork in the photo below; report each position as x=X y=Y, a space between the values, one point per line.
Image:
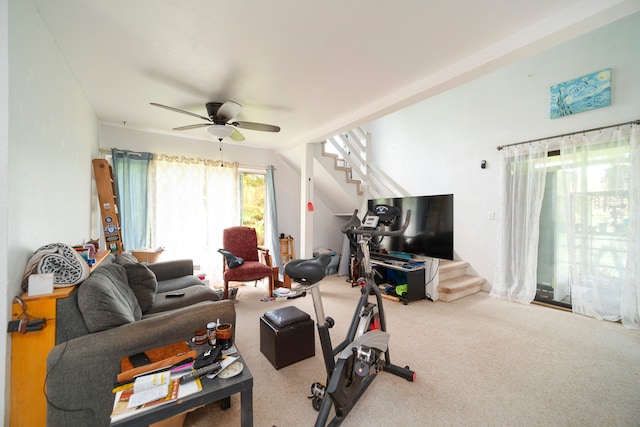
x=582 y=94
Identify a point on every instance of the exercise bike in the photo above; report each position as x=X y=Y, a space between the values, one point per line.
x=354 y=363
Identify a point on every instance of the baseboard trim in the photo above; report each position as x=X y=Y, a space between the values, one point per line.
x=557 y=307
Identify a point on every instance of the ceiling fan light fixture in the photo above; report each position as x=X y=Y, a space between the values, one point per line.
x=220 y=131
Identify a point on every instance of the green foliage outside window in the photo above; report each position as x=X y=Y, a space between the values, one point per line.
x=253 y=203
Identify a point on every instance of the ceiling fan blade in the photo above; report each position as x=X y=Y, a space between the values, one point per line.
x=237 y=136
x=199 y=125
x=177 y=110
x=257 y=126
x=229 y=110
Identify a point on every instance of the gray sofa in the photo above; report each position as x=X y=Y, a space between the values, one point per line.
x=120 y=310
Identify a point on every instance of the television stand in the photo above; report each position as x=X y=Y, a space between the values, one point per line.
x=415 y=274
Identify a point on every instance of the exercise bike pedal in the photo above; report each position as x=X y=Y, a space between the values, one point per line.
x=317 y=395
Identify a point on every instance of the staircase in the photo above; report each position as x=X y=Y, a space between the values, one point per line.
x=455 y=283
x=345 y=156
x=339 y=164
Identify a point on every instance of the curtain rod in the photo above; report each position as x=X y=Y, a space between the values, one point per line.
x=108 y=151
x=500 y=147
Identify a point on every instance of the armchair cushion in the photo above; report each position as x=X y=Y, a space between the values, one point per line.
x=242 y=242
x=250 y=270
x=106 y=300
x=143 y=283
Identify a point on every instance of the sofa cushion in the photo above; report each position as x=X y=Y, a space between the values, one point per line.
x=143 y=283
x=106 y=300
x=171 y=269
x=178 y=283
x=192 y=295
x=126 y=258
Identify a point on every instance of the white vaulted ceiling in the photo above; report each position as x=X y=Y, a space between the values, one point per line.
x=313 y=68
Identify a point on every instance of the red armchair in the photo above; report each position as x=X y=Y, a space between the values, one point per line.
x=243 y=242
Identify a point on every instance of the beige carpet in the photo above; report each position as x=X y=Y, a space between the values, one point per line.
x=479 y=361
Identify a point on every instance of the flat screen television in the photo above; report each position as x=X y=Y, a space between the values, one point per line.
x=430 y=231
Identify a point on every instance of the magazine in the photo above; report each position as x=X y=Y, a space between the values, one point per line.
x=122 y=408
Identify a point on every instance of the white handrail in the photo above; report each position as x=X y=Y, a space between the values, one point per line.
x=352 y=148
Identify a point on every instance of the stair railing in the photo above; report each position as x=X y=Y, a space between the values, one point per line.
x=352 y=147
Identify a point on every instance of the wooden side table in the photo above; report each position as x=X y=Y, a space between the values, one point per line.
x=29 y=356
x=286 y=250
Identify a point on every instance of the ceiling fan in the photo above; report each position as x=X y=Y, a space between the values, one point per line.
x=219 y=123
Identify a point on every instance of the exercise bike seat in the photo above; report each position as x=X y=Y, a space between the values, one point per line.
x=308 y=271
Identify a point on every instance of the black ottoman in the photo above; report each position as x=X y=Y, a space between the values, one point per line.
x=286 y=336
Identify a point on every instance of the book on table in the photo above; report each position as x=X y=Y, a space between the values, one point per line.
x=127 y=404
x=159 y=386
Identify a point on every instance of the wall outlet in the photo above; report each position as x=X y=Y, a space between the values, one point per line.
x=491 y=215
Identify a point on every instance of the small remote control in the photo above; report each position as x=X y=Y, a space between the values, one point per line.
x=200 y=372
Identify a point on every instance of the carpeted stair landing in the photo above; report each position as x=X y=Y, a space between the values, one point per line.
x=455 y=283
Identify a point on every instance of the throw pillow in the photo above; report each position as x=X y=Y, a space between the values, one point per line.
x=143 y=283
x=106 y=300
x=232 y=260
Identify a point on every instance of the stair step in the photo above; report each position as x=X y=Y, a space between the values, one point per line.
x=346 y=169
x=458 y=287
x=451 y=269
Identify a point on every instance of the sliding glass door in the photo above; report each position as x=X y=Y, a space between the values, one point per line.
x=553 y=266
x=584 y=219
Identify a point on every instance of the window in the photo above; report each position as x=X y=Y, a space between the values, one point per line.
x=252 y=186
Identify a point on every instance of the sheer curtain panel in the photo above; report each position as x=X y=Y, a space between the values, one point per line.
x=192 y=201
x=630 y=306
x=601 y=184
x=522 y=180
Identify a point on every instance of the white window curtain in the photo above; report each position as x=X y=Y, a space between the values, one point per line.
x=630 y=305
x=271 y=236
x=521 y=192
x=599 y=183
x=599 y=179
x=191 y=202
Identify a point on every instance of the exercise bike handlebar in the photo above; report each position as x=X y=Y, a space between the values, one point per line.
x=354 y=226
x=354 y=222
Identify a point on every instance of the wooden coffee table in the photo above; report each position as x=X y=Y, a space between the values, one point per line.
x=213 y=390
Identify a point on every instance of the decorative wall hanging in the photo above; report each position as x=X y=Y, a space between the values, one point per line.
x=582 y=94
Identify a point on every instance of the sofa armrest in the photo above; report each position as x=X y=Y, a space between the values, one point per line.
x=165 y=270
x=81 y=373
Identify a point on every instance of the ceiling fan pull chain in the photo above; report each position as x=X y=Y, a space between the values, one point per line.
x=221 y=154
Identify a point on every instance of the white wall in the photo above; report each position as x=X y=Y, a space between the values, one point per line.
x=53 y=135
x=4 y=205
x=436 y=146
